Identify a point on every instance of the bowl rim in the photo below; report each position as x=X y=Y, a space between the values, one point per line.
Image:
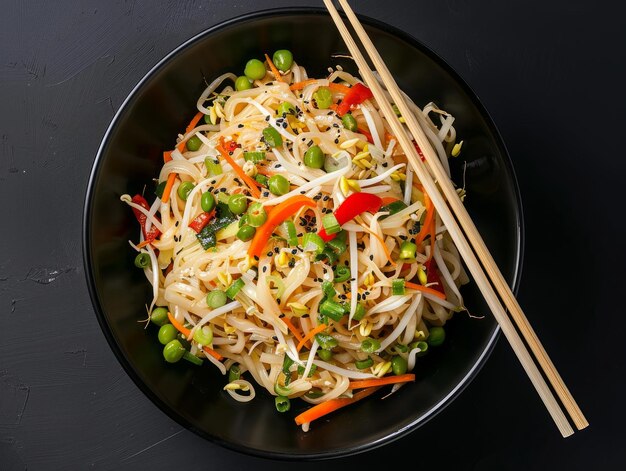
x=87 y=248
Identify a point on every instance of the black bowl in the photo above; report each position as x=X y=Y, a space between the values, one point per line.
x=130 y=155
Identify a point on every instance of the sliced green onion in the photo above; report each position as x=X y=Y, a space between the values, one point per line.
x=160 y=188
x=401 y=348
x=326 y=341
x=204 y=335
x=325 y=355
x=223 y=197
x=332 y=309
x=256 y=215
x=212 y=166
x=234 y=372
x=311 y=371
x=423 y=346
x=142 y=260
x=287 y=362
x=191 y=358
x=329 y=254
x=283 y=404
x=314 y=394
x=359 y=312
x=278 y=283
x=311 y=242
x=369 y=345
x=281 y=390
x=342 y=273
x=330 y=223
x=362 y=364
x=292 y=236
x=392 y=208
x=339 y=246
x=234 y=288
x=254 y=156
x=323 y=98
x=397 y=287
x=328 y=289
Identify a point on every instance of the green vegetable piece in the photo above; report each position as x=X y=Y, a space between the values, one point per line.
x=278 y=185
x=408 y=251
x=234 y=288
x=399 y=365
x=160 y=188
x=326 y=341
x=283 y=59
x=234 y=372
x=330 y=223
x=313 y=367
x=223 y=218
x=342 y=273
x=281 y=390
x=204 y=335
x=184 y=189
x=272 y=137
x=323 y=98
x=314 y=157
x=243 y=83
x=192 y=358
x=362 y=364
x=254 y=69
x=436 y=336
x=142 y=260
x=332 y=309
x=256 y=215
x=369 y=345
x=207 y=201
x=173 y=351
x=237 y=203
x=246 y=232
x=328 y=289
x=213 y=167
x=167 y=333
x=262 y=179
x=359 y=312
x=285 y=108
x=254 y=156
x=311 y=242
x=216 y=298
x=423 y=346
x=283 y=404
x=397 y=287
x=337 y=245
x=349 y=122
x=292 y=236
x=325 y=355
x=392 y=208
x=193 y=143
x=159 y=316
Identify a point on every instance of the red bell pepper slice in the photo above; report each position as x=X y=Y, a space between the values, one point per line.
x=141 y=218
x=367 y=135
x=432 y=276
x=353 y=205
x=358 y=94
x=201 y=220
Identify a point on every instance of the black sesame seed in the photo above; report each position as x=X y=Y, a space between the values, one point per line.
x=256 y=258
x=384 y=164
x=267 y=118
x=371 y=257
x=275 y=338
x=269 y=254
x=240 y=125
x=294 y=251
x=264 y=269
x=276 y=250
x=336 y=141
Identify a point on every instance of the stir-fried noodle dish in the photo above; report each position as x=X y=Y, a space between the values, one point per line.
x=290 y=244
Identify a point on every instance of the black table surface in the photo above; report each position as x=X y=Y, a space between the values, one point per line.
x=552 y=75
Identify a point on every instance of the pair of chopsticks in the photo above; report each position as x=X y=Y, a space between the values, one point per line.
x=456 y=214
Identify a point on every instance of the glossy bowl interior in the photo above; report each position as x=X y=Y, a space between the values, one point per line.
x=130 y=156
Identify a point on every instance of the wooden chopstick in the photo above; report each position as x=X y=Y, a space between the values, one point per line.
x=453 y=228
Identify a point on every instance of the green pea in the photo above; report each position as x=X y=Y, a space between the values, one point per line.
x=349 y=122
x=204 y=335
x=256 y=214
x=362 y=364
x=167 y=333
x=246 y=232
x=314 y=157
x=207 y=201
x=399 y=365
x=254 y=70
x=243 y=83
x=237 y=203
x=193 y=143
x=285 y=108
x=423 y=346
x=283 y=59
x=272 y=137
x=216 y=298
x=370 y=345
x=173 y=351
x=184 y=189
x=142 y=260
x=159 y=316
x=278 y=185
x=436 y=337
x=323 y=98
x=325 y=355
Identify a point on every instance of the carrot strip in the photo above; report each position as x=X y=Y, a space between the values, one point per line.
x=389 y=199
x=430 y=213
x=382 y=242
x=179 y=327
x=144 y=243
x=339 y=88
x=192 y=124
x=310 y=334
x=171 y=178
x=325 y=408
x=213 y=353
x=366 y=383
x=294 y=330
x=301 y=85
x=425 y=289
x=273 y=69
x=252 y=184
x=167 y=156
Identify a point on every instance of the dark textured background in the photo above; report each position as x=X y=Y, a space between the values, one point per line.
x=551 y=74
